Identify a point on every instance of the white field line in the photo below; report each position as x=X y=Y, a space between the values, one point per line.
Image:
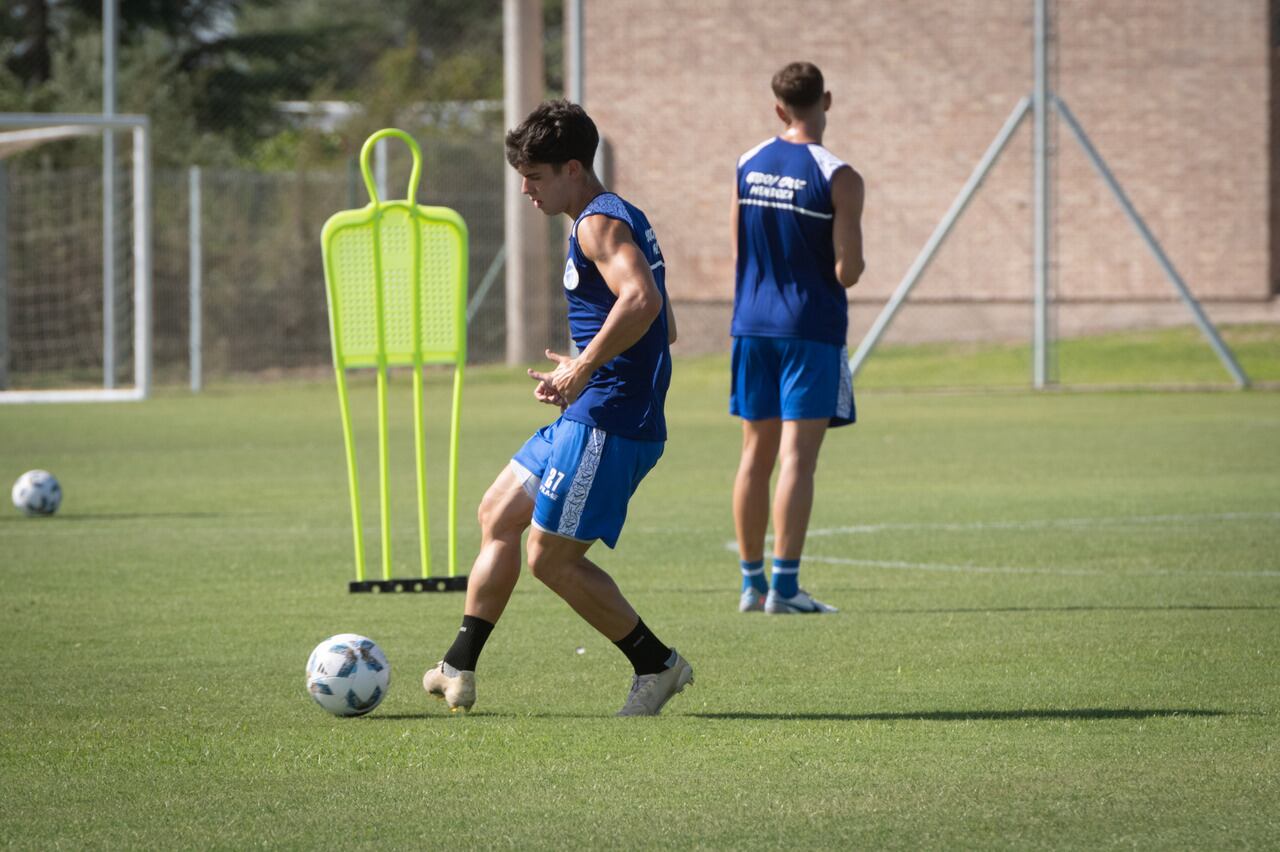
x=1070 y=572
x=1049 y=523
x=941 y=567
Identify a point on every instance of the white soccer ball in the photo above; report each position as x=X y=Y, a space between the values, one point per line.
x=37 y=492
x=348 y=674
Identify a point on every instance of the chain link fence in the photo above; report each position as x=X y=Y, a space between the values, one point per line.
x=1175 y=101
x=54 y=254
x=262 y=278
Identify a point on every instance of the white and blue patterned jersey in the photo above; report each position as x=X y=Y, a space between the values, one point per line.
x=626 y=395
x=786 y=283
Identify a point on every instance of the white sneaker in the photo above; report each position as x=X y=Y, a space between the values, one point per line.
x=775 y=604
x=456 y=688
x=751 y=601
x=650 y=692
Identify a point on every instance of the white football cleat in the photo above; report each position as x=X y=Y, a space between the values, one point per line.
x=455 y=688
x=751 y=601
x=802 y=603
x=649 y=693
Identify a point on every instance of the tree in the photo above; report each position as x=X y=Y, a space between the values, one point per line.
x=212 y=73
x=27 y=28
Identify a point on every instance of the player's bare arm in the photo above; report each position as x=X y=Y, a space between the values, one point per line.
x=607 y=243
x=847 y=195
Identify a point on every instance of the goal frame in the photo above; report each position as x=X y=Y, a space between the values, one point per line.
x=140 y=128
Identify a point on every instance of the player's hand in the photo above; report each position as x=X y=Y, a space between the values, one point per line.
x=545 y=393
x=568 y=378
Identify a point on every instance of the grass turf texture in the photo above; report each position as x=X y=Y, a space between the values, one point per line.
x=1179 y=357
x=1059 y=628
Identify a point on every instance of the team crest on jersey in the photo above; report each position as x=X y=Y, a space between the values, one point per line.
x=570 y=275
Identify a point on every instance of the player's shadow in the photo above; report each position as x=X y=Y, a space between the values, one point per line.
x=1046 y=714
x=995 y=609
x=125 y=516
x=1077 y=714
x=444 y=717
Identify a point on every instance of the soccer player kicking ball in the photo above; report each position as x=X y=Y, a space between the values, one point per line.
x=572 y=480
x=798 y=246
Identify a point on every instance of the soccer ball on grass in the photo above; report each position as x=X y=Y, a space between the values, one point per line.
x=348 y=674
x=37 y=492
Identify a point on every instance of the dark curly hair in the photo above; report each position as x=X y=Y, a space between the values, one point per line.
x=798 y=85
x=556 y=132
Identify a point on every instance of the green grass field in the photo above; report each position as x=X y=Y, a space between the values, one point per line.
x=1171 y=357
x=1060 y=627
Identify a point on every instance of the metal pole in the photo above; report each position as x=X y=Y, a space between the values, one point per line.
x=109 y=196
x=525 y=229
x=573 y=56
x=490 y=275
x=1206 y=327
x=939 y=234
x=93 y=119
x=604 y=161
x=4 y=276
x=1040 y=331
x=142 y=261
x=194 y=263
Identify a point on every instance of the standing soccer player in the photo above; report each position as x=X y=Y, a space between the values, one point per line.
x=798 y=247
x=572 y=480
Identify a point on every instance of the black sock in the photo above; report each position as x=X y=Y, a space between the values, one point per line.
x=466 y=648
x=646 y=653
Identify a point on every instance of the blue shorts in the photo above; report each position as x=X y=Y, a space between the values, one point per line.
x=581 y=478
x=791 y=378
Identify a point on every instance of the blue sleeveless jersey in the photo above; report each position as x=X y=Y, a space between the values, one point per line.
x=625 y=396
x=786 y=283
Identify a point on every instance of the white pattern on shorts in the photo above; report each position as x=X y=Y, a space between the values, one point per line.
x=582 y=480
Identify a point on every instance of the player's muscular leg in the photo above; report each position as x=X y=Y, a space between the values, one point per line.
x=505 y=513
x=562 y=564
x=760 y=440
x=793 y=500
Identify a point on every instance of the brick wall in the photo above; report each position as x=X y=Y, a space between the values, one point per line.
x=1175 y=94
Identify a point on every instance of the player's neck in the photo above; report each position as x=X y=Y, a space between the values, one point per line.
x=582 y=195
x=802 y=133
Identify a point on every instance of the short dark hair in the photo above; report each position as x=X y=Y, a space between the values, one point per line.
x=556 y=132
x=798 y=85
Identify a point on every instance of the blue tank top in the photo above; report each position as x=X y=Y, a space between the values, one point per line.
x=786 y=283
x=626 y=395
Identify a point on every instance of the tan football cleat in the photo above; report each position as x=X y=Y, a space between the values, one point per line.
x=455 y=688
x=649 y=693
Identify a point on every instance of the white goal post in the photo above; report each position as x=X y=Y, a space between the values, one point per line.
x=20 y=131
